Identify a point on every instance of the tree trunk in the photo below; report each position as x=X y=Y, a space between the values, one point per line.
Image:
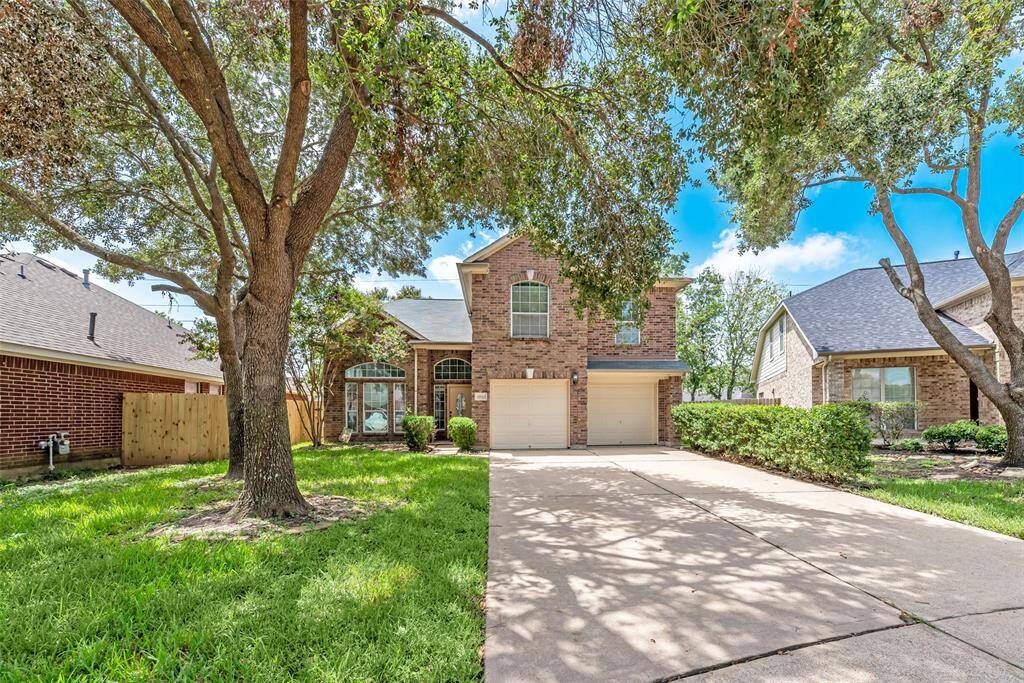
x=269 y=489
x=234 y=394
x=1014 y=418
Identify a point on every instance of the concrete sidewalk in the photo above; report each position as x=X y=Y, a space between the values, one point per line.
x=652 y=563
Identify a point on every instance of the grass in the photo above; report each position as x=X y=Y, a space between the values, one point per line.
x=994 y=505
x=84 y=594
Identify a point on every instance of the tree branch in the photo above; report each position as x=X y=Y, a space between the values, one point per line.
x=298 y=102
x=974 y=366
x=1007 y=223
x=43 y=215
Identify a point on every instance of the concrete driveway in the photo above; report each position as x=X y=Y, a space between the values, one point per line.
x=646 y=564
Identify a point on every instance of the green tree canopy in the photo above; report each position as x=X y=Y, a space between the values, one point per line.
x=898 y=96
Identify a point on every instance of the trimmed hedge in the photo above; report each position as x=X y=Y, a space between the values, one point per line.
x=417 y=431
x=828 y=442
x=951 y=436
x=463 y=432
x=991 y=438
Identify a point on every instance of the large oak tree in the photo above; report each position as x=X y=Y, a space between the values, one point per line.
x=900 y=96
x=216 y=144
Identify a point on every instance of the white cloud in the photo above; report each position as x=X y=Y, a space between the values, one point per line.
x=819 y=251
x=444 y=267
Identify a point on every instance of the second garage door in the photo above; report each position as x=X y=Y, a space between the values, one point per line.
x=532 y=413
x=619 y=413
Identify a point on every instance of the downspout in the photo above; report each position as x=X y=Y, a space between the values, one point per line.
x=415 y=381
x=826 y=391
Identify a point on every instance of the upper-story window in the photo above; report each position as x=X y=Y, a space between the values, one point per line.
x=375 y=371
x=775 y=342
x=530 y=303
x=626 y=332
x=452 y=368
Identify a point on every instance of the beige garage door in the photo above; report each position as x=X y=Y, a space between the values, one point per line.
x=530 y=413
x=622 y=414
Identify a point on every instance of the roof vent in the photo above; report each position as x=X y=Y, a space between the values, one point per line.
x=21 y=272
x=92 y=327
x=956 y=255
x=85 y=278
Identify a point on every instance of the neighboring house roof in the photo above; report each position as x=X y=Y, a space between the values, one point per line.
x=861 y=312
x=434 y=320
x=636 y=364
x=46 y=313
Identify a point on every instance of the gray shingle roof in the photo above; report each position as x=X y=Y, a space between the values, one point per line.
x=861 y=311
x=436 y=320
x=636 y=364
x=49 y=309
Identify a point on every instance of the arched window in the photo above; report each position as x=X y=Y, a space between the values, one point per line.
x=375 y=371
x=530 y=309
x=453 y=368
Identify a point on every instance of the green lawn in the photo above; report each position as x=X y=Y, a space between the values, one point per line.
x=994 y=505
x=396 y=596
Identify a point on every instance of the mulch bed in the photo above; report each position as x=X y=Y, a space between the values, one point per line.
x=218 y=522
x=942 y=466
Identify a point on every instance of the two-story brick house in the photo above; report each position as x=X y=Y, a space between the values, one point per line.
x=855 y=337
x=513 y=355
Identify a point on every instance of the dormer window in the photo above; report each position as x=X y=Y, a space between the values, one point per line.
x=626 y=332
x=530 y=302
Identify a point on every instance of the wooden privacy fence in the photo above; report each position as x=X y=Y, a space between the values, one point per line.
x=165 y=429
x=748 y=401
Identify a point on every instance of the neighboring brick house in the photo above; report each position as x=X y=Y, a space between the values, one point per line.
x=856 y=337
x=514 y=356
x=69 y=349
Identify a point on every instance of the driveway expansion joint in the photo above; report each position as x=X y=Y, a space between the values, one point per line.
x=777 y=651
x=907 y=616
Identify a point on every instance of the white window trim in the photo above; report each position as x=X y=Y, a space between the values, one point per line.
x=622 y=324
x=881 y=382
x=547 y=314
x=391 y=378
x=395 y=422
x=350 y=404
x=450 y=379
x=387 y=401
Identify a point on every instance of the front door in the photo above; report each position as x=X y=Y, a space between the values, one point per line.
x=459 y=403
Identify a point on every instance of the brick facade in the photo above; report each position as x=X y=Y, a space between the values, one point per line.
x=942 y=385
x=419 y=381
x=39 y=398
x=496 y=354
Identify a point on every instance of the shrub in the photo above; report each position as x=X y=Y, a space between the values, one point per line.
x=889 y=419
x=911 y=445
x=463 y=432
x=951 y=435
x=991 y=438
x=417 y=429
x=828 y=442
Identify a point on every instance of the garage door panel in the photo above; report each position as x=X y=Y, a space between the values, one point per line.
x=529 y=414
x=622 y=413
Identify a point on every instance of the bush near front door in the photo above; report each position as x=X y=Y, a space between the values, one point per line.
x=828 y=442
x=462 y=430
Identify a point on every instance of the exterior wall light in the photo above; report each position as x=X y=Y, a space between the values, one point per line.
x=575 y=377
